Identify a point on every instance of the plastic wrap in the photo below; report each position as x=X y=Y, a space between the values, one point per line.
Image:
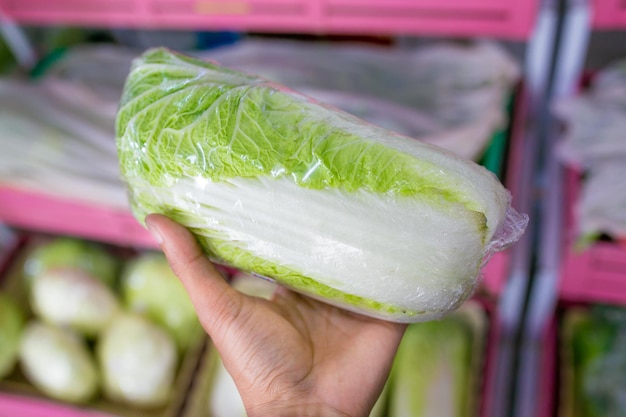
x=601 y=207
x=456 y=94
x=57 y=138
x=595 y=120
x=274 y=183
x=594 y=144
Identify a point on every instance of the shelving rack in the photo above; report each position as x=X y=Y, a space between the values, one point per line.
x=562 y=274
x=533 y=23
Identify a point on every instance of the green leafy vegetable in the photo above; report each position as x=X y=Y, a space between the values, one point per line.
x=58 y=363
x=598 y=345
x=271 y=182
x=138 y=361
x=73 y=298
x=431 y=371
x=11 y=323
x=150 y=286
x=65 y=252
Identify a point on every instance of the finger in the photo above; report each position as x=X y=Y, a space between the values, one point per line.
x=215 y=301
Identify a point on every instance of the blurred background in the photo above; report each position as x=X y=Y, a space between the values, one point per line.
x=92 y=320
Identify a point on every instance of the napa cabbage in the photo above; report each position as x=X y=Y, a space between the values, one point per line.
x=274 y=183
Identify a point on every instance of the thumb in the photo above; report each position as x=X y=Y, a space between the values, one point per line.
x=216 y=303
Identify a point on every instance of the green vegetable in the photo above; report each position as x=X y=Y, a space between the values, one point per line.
x=599 y=343
x=65 y=252
x=11 y=323
x=323 y=202
x=70 y=297
x=58 y=363
x=431 y=371
x=380 y=406
x=150 y=286
x=138 y=361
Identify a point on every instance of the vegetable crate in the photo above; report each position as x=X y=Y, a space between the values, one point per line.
x=609 y=14
x=597 y=273
x=19 y=398
x=51 y=214
x=497 y=18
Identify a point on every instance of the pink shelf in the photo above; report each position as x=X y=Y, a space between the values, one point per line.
x=44 y=213
x=508 y=19
x=597 y=274
x=20 y=406
x=609 y=14
x=512 y=19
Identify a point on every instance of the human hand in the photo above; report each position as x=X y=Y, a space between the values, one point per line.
x=292 y=356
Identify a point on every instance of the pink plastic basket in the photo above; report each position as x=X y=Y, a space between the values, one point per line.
x=97 y=13
x=20 y=406
x=509 y=19
x=609 y=14
x=497 y=18
x=48 y=214
x=597 y=273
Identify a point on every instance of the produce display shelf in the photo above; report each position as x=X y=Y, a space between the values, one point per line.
x=609 y=14
x=510 y=19
x=597 y=273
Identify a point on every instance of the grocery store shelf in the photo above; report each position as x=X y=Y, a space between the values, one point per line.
x=513 y=19
x=535 y=391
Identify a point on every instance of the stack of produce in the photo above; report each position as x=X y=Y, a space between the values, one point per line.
x=594 y=144
x=594 y=364
x=97 y=326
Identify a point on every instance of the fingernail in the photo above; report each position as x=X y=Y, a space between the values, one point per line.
x=155 y=233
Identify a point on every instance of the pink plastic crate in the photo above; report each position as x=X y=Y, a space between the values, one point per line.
x=609 y=14
x=19 y=406
x=44 y=213
x=248 y=15
x=497 y=18
x=597 y=273
x=98 y=13
x=245 y=15
x=500 y=18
